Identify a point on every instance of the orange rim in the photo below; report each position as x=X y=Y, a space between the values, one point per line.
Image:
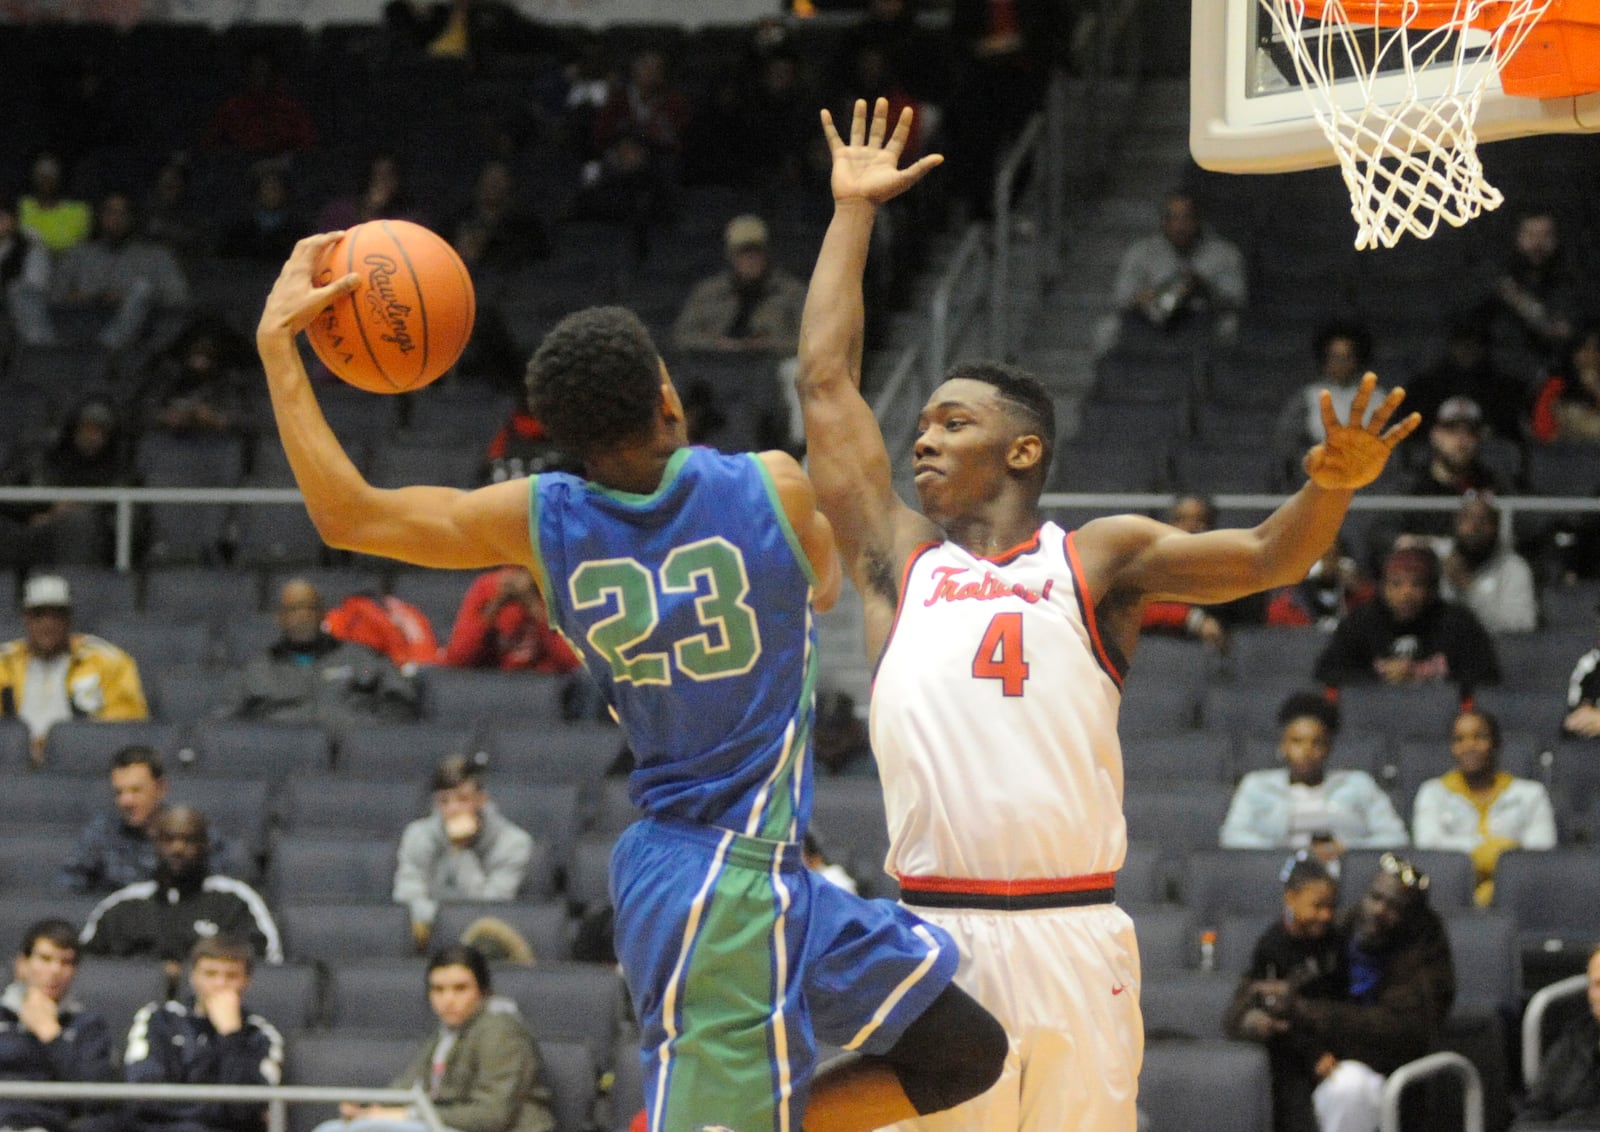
x=1423 y=15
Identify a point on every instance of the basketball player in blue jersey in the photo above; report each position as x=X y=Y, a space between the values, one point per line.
x=1000 y=643
x=687 y=579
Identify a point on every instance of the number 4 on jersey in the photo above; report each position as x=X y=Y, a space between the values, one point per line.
x=999 y=654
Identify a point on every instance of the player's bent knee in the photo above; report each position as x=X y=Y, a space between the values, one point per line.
x=955 y=1051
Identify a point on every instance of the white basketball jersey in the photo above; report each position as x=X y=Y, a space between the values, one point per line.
x=994 y=719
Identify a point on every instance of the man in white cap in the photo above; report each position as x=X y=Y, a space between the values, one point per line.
x=53 y=674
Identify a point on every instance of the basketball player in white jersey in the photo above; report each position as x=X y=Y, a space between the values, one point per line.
x=1001 y=642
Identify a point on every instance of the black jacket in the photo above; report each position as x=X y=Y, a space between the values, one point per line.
x=81 y=1052
x=1568 y=1088
x=170 y=1044
x=161 y=920
x=1443 y=629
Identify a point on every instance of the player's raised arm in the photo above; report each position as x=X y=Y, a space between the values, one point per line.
x=845 y=452
x=430 y=526
x=1147 y=559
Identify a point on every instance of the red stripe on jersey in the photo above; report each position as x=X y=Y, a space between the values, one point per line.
x=1086 y=608
x=1041 y=886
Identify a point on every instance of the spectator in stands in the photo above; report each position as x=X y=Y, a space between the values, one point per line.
x=91 y=448
x=268 y=229
x=752 y=306
x=208 y=1037
x=1183 y=274
x=497 y=231
x=1305 y=952
x=1485 y=575
x=52 y=674
x=521 y=447
x=386 y=624
x=465 y=850
x=1582 y=720
x=481 y=1066
x=46 y=1034
x=384 y=196
x=1409 y=635
x=1467 y=369
x=200 y=385
x=119 y=281
x=310 y=676
x=263 y=118
x=25 y=268
x=171 y=216
x=1478 y=808
x=1532 y=298
x=777 y=129
x=1304 y=805
x=117 y=847
x=1333 y=586
x=646 y=106
x=1454 y=465
x=1196 y=514
x=1342 y=350
x=502 y=623
x=162 y=918
x=1567 y=1093
x=59 y=223
x=1402 y=983
x=1567 y=410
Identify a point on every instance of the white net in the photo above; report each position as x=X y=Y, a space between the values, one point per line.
x=1399 y=101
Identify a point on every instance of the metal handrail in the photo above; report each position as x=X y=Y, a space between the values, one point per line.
x=1000 y=275
x=1533 y=1021
x=1432 y=1065
x=275 y=1097
x=965 y=265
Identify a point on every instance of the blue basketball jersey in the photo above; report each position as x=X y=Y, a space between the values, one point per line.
x=691 y=606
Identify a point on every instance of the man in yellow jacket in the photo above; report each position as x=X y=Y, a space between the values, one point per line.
x=53 y=674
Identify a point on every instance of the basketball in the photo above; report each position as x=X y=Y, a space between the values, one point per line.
x=407 y=321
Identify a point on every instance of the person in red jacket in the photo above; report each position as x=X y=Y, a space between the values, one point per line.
x=502 y=624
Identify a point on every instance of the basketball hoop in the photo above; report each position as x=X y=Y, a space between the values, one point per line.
x=1409 y=159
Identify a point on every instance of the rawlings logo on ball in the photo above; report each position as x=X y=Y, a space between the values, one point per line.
x=385 y=304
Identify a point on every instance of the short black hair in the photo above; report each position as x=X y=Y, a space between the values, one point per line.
x=462 y=955
x=594 y=379
x=456 y=770
x=53 y=930
x=1306 y=868
x=1022 y=392
x=1343 y=328
x=1310 y=705
x=137 y=754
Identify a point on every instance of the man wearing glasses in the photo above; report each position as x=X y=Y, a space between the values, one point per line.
x=1402 y=983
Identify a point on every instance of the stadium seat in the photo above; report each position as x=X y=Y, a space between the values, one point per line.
x=187 y=534
x=1167 y=938
x=1554 y=895
x=848 y=820
x=46 y=801
x=1185 y=1004
x=16 y=746
x=614 y=811
x=1562 y=469
x=237 y=748
x=569 y=1070
x=1162 y=657
x=1451 y=879
x=1487 y=954
x=589 y=874
x=1248 y=709
x=1237 y=934
x=1202 y=756
x=331 y=869
x=194 y=593
x=29 y=860
x=324 y=806
x=1141 y=881
x=437 y=593
x=1218 y=470
x=1154 y=706
x=1233 y=1077
x=379 y=996
x=537 y=752
x=1543 y=660
x=552 y=812
x=117 y=989
x=1080 y=468
x=278 y=535
x=84 y=747
x=97 y=592
x=289 y=995
x=337 y=933
x=479 y=698
x=183 y=694
x=349 y=1059
x=1536 y=711
x=1158 y=422
x=156 y=641
x=1420 y=710
x=1266 y=653
x=581 y=1002
x=1218 y=883
x=397 y=752
x=200 y=460
x=396 y=465
x=545 y=926
x=627 y=1086
x=1179 y=818
x=1570 y=605
x=244 y=638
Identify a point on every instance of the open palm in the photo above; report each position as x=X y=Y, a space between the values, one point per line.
x=1353 y=453
x=868 y=167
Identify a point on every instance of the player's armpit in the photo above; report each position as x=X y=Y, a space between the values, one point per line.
x=799 y=501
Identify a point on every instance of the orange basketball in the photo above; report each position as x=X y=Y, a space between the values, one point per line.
x=408 y=320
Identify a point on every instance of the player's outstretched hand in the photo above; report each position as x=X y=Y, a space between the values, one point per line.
x=296 y=297
x=1354 y=452
x=868 y=167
